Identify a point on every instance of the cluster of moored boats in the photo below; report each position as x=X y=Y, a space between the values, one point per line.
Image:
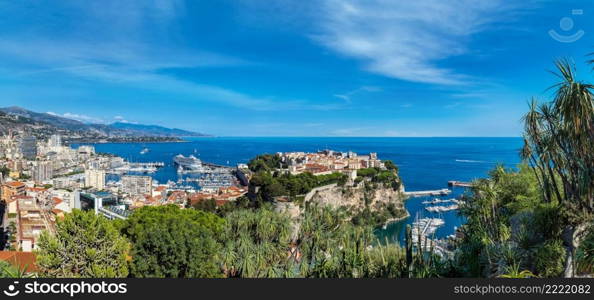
x=213 y=181
x=442 y=208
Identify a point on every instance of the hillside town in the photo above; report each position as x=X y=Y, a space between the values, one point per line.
x=41 y=180
x=328 y=161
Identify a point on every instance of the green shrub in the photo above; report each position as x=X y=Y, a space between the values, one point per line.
x=550 y=258
x=585 y=254
x=547 y=222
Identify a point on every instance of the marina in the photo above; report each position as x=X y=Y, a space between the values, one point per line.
x=212 y=181
x=423 y=229
x=137 y=167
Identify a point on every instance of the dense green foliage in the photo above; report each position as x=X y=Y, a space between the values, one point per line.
x=510 y=227
x=85 y=245
x=171 y=242
x=255 y=243
x=585 y=254
x=376 y=175
x=378 y=216
x=4 y=170
x=272 y=185
x=260 y=243
x=265 y=162
x=390 y=166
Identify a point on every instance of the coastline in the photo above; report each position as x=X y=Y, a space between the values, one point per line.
x=125 y=142
x=395 y=220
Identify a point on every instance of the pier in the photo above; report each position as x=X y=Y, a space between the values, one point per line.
x=147 y=164
x=442 y=192
x=459 y=183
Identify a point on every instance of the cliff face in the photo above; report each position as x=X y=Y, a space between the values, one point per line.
x=374 y=196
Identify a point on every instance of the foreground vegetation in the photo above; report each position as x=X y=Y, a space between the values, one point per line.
x=250 y=243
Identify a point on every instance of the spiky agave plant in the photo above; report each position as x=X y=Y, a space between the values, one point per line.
x=9 y=271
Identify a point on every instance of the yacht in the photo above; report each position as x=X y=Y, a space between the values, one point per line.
x=187 y=163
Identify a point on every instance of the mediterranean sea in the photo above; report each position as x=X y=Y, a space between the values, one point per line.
x=424 y=163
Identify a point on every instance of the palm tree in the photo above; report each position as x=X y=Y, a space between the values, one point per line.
x=559 y=145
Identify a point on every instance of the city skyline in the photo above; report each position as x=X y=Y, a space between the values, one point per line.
x=334 y=68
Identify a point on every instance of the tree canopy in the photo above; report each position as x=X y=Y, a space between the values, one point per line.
x=274 y=184
x=85 y=245
x=171 y=242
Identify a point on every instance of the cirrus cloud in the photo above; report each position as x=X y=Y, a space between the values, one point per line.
x=406 y=39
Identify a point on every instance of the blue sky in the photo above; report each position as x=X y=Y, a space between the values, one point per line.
x=291 y=68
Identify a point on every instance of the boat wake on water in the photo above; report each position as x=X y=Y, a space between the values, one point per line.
x=472 y=161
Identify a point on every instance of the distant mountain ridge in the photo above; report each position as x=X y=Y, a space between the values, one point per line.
x=155 y=130
x=21 y=118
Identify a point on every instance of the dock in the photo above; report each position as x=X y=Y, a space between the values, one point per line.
x=442 y=192
x=459 y=183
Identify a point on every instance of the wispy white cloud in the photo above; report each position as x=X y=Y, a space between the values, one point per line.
x=121 y=119
x=79 y=117
x=348 y=95
x=407 y=40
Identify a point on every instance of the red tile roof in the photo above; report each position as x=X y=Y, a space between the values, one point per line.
x=15 y=184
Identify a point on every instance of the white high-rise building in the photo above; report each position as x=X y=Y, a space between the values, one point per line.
x=74 y=200
x=55 y=141
x=137 y=185
x=95 y=179
x=43 y=171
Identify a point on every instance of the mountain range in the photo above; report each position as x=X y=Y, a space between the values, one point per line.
x=18 y=118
